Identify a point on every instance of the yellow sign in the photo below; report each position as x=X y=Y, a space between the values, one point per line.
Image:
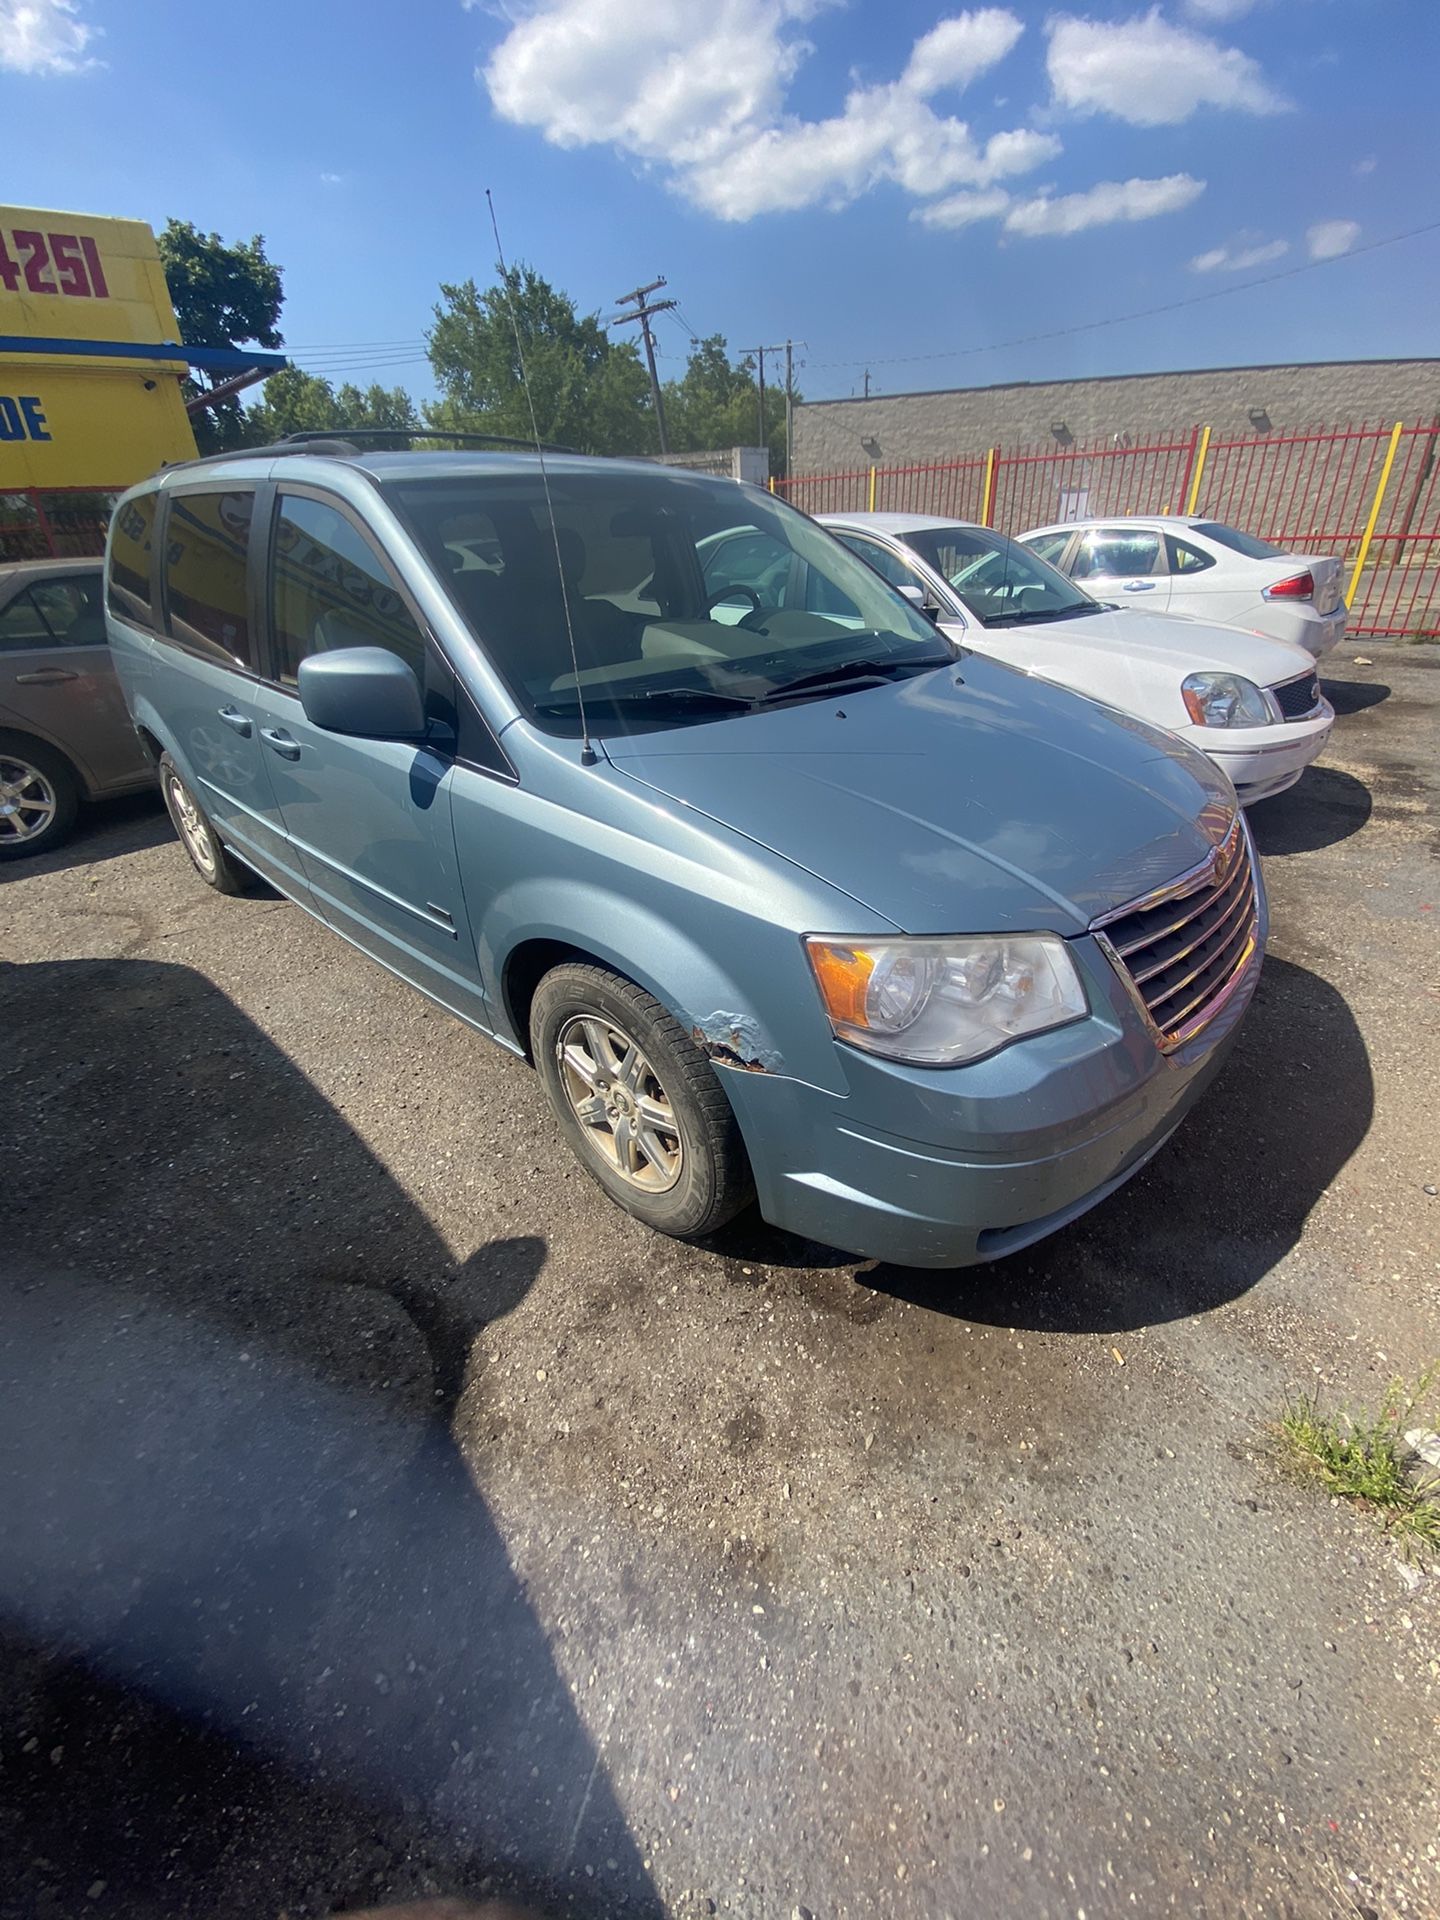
x=76 y=409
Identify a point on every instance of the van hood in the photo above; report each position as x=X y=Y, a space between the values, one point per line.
x=970 y=799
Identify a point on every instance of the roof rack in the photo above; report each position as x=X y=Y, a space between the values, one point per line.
x=344 y=443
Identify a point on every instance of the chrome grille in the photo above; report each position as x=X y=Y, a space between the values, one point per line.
x=1182 y=948
x=1296 y=698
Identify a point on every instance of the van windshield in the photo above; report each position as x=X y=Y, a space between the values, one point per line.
x=689 y=598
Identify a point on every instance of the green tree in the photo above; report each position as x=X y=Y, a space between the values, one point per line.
x=223 y=296
x=716 y=403
x=590 y=392
x=297 y=402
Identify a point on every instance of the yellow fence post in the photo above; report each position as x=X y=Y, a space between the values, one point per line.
x=1199 y=474
x=870 y=496
x=987 y=501
x=772 y=483
x=1375 y=506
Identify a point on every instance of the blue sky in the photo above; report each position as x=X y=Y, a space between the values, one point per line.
x=887 y=183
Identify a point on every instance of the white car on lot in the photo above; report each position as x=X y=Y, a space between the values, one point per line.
x=1202 y=568
x=1251 y=703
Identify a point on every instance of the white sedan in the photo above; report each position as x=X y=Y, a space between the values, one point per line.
x=1251 y=703
x=1203 y=568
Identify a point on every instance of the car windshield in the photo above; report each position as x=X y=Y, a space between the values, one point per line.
x=1238 y=542
x=690 y=598
x=999 y=581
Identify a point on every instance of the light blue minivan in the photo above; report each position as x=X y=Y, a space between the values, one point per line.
x=645 y=776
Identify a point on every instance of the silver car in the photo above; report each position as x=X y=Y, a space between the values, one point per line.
x=65 y=735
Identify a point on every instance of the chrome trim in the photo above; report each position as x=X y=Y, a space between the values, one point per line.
x=1161 y=966
x=1134 y=946
x=1216 y=872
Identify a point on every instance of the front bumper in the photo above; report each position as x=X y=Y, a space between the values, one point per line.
x=1263 y=761
x=947 y=1168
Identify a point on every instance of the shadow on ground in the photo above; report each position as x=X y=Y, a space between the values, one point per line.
x=261 y=1644
x=107 y=828
x=1354 y=696
x=1323 y=808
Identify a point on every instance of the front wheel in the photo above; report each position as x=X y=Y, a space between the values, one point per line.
x=199 y=839
x=638 y=1102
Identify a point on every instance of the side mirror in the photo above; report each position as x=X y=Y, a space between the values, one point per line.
x=367 y=691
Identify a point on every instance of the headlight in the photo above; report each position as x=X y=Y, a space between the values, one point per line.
x=941 y=1003
x=1225 y=700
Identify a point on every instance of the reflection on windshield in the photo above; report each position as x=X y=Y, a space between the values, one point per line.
x=999 y=581
x=687 y=598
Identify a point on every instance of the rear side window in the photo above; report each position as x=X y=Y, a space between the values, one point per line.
x=207 y=550
x=55 y=613
x=1049 y=546
x=130 y=544
x=331 y=589
x=1187 y=559
x=1117 y=550
x=1239 y=542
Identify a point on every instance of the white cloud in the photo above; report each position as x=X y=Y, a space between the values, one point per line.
x=44 y=36
x=1366 y=165
x=1327 y=239
x=1103 y=204
x=1215 y=11
x=1238 y=259
x=332 y=179
x=1149 y=72
x=700 y=92
x=1046 y=214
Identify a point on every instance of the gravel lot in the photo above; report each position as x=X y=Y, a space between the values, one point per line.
x=387 y=1513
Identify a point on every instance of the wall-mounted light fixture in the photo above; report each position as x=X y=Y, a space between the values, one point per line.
x=1061 y=432
x=1259 y=419
x=871 y=446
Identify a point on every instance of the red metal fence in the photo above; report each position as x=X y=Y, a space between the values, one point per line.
x=1368 y=493
x=53 y=523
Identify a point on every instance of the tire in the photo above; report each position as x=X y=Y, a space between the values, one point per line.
x=684 y=1175
x=199 y=839
x=39 y=797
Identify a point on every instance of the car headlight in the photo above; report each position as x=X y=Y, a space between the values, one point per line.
x=1225 y=700
x=943 y=1002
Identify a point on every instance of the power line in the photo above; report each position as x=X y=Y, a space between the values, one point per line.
x=1141 y=313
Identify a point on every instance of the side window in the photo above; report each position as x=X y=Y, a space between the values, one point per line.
x=330 y=588
x=888 y=565
x=1049 y=546
x=1187 y=559
x=751 y=562
x=1117 y=550
x=129 y=586
x=71 y=610
x=207 y=547
x=23 y=625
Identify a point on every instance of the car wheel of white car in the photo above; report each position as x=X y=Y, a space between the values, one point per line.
x=39 y=797
x=638 y=1102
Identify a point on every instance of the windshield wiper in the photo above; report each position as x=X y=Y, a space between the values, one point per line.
x=1034 y=616
x=692 y=697
x=855 y=672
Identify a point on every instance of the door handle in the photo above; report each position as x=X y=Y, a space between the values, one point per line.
x=279 y=741
x=1139 y=586
x=45 y=677
x=233 y=717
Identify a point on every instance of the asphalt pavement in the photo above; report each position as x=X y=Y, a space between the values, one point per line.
x=385 y=1513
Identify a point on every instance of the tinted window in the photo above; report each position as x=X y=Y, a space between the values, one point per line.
x=1117 y=550
x=1049 y=546
x=55 y=613
x=676 y=586
x=331 y=589
x=1002 y=583
x=887 y=564
x=207 y=547
x=1238 y=542
x=1187 y=559
x=130 y=559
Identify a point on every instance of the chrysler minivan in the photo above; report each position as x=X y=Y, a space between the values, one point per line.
x=785 y=896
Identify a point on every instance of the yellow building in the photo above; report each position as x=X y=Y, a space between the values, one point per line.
x=91 y=364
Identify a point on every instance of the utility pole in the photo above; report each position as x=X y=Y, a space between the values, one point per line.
x=760 y=353
x=643 y=310
x=867 y=383
x=790 y=406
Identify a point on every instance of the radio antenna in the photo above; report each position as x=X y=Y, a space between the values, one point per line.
x=587 y=752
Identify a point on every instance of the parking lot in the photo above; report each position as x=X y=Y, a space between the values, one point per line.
x=389 y=1513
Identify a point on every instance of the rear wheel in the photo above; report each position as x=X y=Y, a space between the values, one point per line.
x=638 y=1102
x=39 y=797
x=199 y=839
